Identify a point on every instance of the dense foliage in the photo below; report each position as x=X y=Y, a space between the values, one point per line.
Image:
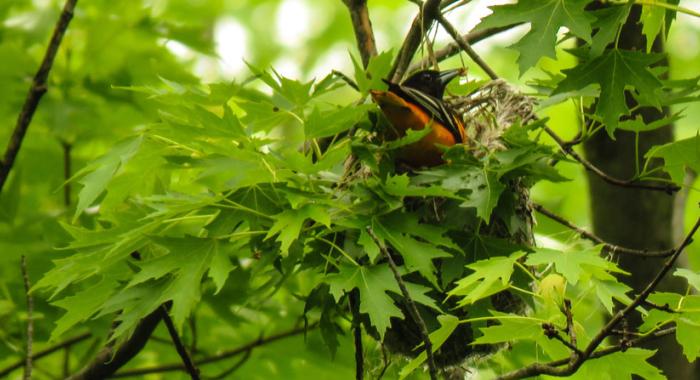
x=253 y=206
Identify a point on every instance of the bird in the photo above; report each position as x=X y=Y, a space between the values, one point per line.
x=416 y=103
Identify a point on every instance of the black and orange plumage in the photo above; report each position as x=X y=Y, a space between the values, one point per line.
x=417 y=103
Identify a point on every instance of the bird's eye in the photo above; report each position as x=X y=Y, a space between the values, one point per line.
x=426 y=76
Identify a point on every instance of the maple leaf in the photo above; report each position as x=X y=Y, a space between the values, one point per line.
x=614 y=71
x=678 y=156
x=545 y=18
x=490 y=277
x=373 y=284
x=573 y=265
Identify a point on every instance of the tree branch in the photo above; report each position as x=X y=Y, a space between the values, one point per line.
x=568 y=149
x=464 y=45
x=107 y=362
x=181 y=350
x=453 y=48
x=612 y=248
x=221 y=356
x=45 y=352
x=574 y=363
x=354 y=301
x=422 y=22
x=411 y=305
x=363 y=29
x=36 y=91
x=30 y=320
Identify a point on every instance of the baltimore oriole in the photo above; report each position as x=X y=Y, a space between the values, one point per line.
x=415 y=103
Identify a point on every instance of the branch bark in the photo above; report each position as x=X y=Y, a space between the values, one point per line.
x=612 y=248
x=411 y=305
x=181 y=350
x=464 y=45
x=36 y=91
x=107 y=361
x=218 y=357
x=453 y=48
x=359 y=14
x=354 y=299
x=568 y=149
x=45 y=352
x=422 y=22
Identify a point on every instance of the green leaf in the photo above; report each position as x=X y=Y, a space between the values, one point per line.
x=621 y=365
x=448 y=323
x=545 y=17
x=615 y=71
x=609 y=20
x=638 y=125
x=400 y=185
x=183 y=282
x=652 y=19
x=370 y=247
x=480 y=186
x=686 y=317
x=288 y=223
x=221 y=264
x=485 y=189
x=678 y=156
x=490 y=277
x=609 y=290
x=101 y=172
x=417 y=255
x=573 y=264
x=83 y=304
x=377 y=69
x=331 y=122
x=511 y=328
x=692 y=277
x=373 y=283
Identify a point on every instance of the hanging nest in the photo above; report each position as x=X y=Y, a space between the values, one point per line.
x=487 y=113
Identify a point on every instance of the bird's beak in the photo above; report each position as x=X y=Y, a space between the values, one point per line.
x=447 y=75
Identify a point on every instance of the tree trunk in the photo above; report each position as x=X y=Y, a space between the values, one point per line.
x=634 y=218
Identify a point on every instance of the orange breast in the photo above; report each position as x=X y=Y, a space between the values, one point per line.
x=402 y=116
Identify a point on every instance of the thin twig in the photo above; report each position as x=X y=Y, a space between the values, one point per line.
x=616 y=348
x=551 y=332
x=354 y=301
x=453 y=48
x=611 y=248
x=411 y=305
x=66 y=361
x=363 y=29
x=386 y=361
x=346 y=79
x=181 y=349
x=30 y=320
x=572 y=364
x=665 y=307
x=36 y=91
x=422 y=23
x=568 y=149
x=218 y=357
x=233 y=368
x=45 y=352
x=67 y=161
x=464 y=45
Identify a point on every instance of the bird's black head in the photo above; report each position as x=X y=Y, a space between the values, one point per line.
x=431 y=82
